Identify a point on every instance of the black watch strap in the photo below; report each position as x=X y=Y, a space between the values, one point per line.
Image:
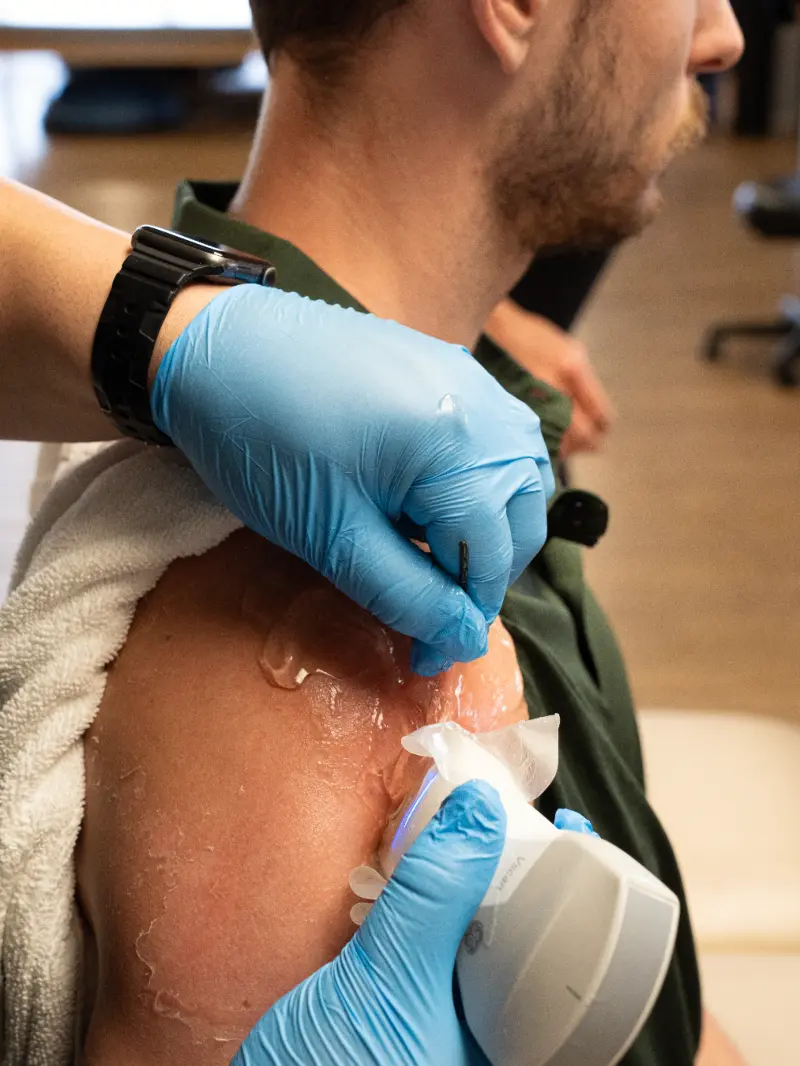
x=124 y=341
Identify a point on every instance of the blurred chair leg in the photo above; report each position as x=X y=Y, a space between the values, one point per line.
x=716 y=338
x=787 y=361
x=786 y=365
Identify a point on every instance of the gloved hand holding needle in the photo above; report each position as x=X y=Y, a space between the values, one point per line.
x=317 y=426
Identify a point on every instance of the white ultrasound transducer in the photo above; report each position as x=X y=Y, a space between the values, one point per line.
x=567 y=953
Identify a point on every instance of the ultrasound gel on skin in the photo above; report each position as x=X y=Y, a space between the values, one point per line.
x=520 y=761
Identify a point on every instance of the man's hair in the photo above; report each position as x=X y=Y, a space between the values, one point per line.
x=321 y=35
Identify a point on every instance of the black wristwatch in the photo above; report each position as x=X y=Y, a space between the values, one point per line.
x=160 y=264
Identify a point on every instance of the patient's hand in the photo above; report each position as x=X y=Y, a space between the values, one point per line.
x=245 y=758
x=562 y=361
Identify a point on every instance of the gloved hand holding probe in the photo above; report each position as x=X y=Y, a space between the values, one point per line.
x=388 y=997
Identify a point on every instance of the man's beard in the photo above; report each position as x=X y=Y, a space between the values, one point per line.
x=578 y=191
x=694 y=126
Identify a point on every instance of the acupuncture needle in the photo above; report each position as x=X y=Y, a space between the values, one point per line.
x=463 y=565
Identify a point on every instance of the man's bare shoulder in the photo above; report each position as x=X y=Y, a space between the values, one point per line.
x=225 y=806
x=245 y=758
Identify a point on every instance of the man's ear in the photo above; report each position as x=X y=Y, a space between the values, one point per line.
x=507 y=26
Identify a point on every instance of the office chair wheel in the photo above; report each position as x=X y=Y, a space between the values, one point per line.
x=787 y=375
x=787 y=363
x=712 y=345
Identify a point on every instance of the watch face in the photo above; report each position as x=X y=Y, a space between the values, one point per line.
x=221 y=262
x=165 y=240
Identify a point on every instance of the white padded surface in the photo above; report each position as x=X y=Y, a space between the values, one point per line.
x=755 y=998
x=17 y=466
x=727 y=788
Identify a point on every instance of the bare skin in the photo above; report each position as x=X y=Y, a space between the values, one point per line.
x=224 y=813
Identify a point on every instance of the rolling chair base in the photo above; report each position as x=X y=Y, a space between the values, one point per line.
x=786 y=364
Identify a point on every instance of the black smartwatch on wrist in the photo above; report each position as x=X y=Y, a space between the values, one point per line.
x=160 y=264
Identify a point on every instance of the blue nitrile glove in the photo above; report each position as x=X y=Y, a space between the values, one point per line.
x=574 y=822
x=317 y=426
x=388 y=997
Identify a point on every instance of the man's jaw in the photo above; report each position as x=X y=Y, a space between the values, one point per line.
x=414 y=236
x=691 y=129
x=694 y=127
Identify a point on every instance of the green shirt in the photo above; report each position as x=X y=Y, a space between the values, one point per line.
x=569 y=658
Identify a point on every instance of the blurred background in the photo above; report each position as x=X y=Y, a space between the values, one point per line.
x=107 y=106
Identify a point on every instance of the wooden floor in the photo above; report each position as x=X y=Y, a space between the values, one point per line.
x=701 y=568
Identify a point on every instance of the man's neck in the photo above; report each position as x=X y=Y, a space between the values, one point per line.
x=399 y=218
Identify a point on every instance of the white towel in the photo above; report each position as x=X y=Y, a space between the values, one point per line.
x=99 y=542
x=56 y=460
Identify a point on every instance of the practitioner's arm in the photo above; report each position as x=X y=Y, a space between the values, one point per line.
x=56 y=270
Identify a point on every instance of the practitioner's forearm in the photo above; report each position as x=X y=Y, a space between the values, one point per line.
x=56 y=270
